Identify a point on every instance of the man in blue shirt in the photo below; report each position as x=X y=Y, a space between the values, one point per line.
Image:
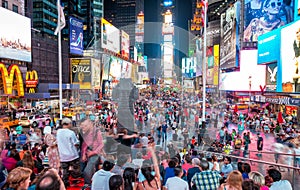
x=227 y=167
x=164 y=131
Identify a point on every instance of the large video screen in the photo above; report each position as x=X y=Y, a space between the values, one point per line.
x=110 y=36
x=269 y=47
x=15 y=36
x=239 y=81
x=264 y=16
x=76 y=36
x=290 y=57
x=229 y=44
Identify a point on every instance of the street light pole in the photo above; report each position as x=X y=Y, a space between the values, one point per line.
x=250 y=77
x=204 y=66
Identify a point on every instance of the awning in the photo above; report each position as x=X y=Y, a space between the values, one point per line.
x=37 y=95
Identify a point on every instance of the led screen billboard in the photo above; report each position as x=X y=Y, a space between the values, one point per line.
x=125 y=43
x=96 y=71
x=290 y=57
x=269 y=47
x=115 y=68
x=229 y=44
x=76 y=36
x=239 y=81
x=110 y=36
x=264 y=16
x=15 y=36
x=126 y=69
x=81 y=73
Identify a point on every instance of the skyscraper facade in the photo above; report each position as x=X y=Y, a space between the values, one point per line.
x=123 y=15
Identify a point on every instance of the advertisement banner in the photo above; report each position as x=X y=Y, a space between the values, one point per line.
x=106 y=65
x=76 y=36
x=188 y=67
x=290 y=58
x=229 y=45
x=81 y=73
x=249 y=72
x=216 y=65
x=209 y=77
x=269 y=47
x=15 y=36
x=126 y=69
x=115 y=68
x=264 y=16
x=125 y=43
x=198 y=58
x=271 y=76
x=96 y=73
x=110 y=36
x=210 y=57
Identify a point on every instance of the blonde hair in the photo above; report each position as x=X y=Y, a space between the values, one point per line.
x=17 y=176
x=235 y=179
x=257 y=178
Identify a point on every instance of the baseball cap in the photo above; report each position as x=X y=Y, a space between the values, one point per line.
x=66 y=121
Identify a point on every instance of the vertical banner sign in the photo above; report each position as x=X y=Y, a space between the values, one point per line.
x=271 y=77
x=81 y=73
x=216 y=65
x=210 y=57
x=125 y=43
x=229 y=37
x=76 y=36
x=96 y=73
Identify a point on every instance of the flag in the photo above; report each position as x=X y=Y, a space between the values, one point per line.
x=61 y=21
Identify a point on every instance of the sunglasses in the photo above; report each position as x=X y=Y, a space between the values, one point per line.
x=273 y=4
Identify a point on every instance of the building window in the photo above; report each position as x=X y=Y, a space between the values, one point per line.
x=5 y=4
x=15 y=8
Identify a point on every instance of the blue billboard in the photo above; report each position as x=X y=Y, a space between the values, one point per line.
x=76 y=36
x=269 y=47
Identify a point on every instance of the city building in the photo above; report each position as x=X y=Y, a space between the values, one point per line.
x=123 y=15
x=16 y=6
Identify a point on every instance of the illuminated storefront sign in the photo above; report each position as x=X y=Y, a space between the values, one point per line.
x=8 y=76
x=31 y=81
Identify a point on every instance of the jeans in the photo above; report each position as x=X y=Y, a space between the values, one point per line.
x=90 y=168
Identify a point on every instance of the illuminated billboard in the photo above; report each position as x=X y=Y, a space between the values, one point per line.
x=229 y=44
x=125 y=43
x=126 y=69
x=290 y=58
x=81 y=73
x=239 y=81
x=11 y=79
x=216 y=65
x=115 y=68
x=96 y=70
x=188 y=67
x=264 y=16
x=110 y=36
x=76 y=36
x=269 y=47
x=15 y=36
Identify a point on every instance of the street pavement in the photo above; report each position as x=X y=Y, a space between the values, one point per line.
x=269 y=140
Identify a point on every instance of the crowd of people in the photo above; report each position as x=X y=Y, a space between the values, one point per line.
x=162 y=151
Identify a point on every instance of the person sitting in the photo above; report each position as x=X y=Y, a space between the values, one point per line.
x=50 y=180
x=18 y=179
x=277 y=182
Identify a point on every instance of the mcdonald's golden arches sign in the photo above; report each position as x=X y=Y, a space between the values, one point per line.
x=31 y=81
x=12 y=79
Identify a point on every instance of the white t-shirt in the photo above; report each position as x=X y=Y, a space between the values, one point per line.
x=66 y=141
x=47 y=130
x=176 y=183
